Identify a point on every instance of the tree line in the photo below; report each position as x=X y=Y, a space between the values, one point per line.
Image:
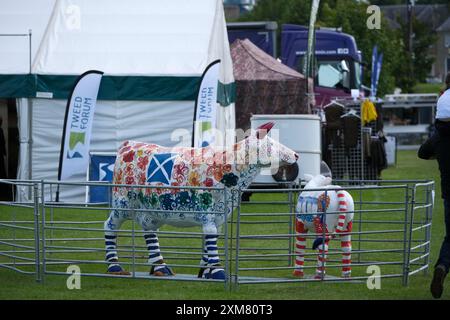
x=351 y=16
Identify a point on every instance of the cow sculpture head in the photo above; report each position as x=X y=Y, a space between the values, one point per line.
x=316 y=181
x=262 y=150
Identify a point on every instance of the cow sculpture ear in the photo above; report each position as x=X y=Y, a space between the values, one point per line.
x=263 y=129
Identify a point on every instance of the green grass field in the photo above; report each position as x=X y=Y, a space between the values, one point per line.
x=18 y=286
x=428 y=88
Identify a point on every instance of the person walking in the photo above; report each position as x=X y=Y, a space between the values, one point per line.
x=438 y=146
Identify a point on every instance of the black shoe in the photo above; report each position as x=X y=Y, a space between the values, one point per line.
x=437 y=284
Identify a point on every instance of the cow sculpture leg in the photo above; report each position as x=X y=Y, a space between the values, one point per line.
x=345 y=205
x=112 y=224
x=155 y=259
x=203 y=262
x=346 y=246
x=210 y=267
x=322 y=245
x=300 y=246
x=322 y=259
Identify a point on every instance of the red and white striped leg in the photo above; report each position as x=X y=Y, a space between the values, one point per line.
x=300 y=246
x=346 y=246
x=322 y=259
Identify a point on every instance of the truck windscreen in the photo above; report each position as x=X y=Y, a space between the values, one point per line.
x=336 y=73
x=333 y=74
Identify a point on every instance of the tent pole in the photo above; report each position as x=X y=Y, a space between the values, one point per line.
x=30 y=114
x=30 y=142
x=29 y=45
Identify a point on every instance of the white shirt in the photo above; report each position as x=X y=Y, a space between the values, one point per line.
x=443 y=106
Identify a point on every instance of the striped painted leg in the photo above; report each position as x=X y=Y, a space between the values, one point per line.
x=112 y=224
x=346 y=246
x=155 y=259
x=203 y=263
x=300 y=246
x=213 y=268
x=111 y=256
x=321 y=259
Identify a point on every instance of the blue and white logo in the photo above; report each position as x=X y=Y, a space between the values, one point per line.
x=106 y=171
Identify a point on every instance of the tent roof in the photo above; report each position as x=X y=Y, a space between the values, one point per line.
x=141 y=37
x=251 y=63
x=147 y=49
x=17 y=18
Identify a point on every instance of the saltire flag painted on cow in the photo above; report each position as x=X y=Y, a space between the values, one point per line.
x=206 y=107
x=79 y=117
x=160 y=168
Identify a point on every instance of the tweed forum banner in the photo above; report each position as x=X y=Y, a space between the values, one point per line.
x=204 y=129
x=74 y=157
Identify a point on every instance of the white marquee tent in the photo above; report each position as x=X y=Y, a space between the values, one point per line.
x=152 y=53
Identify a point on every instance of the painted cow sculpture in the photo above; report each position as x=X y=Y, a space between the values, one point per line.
x=329 y=225
x=153 y=165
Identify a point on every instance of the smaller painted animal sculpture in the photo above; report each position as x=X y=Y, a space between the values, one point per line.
x=142 y=164
x=309 y=216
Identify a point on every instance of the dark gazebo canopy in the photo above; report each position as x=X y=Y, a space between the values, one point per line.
x=264 y=85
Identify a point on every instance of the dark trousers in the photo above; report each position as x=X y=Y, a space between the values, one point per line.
x=444 y=255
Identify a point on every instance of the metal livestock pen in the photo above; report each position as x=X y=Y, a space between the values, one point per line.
x=391 y=230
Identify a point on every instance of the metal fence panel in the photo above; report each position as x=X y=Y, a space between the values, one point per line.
x=392 y=230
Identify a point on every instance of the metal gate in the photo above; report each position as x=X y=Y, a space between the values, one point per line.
x=391 y=230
